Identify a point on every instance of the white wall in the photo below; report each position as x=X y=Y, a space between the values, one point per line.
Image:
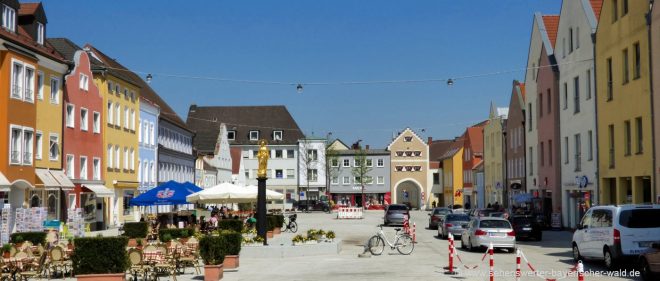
x=531 y=136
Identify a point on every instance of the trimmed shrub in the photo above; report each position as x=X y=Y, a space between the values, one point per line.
x=35 y=238
x=136 y=229
x=271 y=222
x=235 y=225
x=99 y=255
x=211 y=248
x=232 y=242
x=280 y=220
x=176 y=233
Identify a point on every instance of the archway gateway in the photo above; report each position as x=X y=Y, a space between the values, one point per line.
x=408 y=192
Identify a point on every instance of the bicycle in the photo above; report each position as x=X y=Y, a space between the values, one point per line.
x=290 y=223
x=403 y=242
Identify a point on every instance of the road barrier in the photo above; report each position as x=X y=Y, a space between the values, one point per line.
x=518 y=265
x=414 y=236
x=579 y=268
x=450 y=268
x=349 y=213
x=492 y=262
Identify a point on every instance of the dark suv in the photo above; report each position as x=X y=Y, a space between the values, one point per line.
x=526 y=227
x=395 y=214
x=314 y=205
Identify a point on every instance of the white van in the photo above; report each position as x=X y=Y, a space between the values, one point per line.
x=612 y=233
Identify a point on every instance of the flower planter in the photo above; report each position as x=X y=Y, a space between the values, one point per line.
x=269 y=234
x=231 y=261
x=6 y=255
x=132 y=242
x=213 y=272
x=102 y=277
x=277 y=230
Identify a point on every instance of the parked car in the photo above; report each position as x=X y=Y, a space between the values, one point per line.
x=314 y=205
x=482 y=231
x=436 y=216
x=649 y=263
x=526 y=227
x=480 y=212
x=395 y=214
x=454 y=224
x=616 y=233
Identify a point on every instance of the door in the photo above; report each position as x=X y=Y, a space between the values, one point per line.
x=358 y=200
x=581 y=236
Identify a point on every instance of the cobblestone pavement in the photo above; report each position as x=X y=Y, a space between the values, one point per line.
x=551 y=256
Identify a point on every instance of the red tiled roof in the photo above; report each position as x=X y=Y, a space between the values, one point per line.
x=22 y=38
x=476 y=139
x=235 y=153
x=597 y=5
x=28 y=8
x=551 y=25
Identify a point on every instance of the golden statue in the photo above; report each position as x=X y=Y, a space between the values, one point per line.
x=263 y=156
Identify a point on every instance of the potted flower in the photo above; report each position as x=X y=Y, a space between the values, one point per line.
x=18 y=241
x=211 y=248
x=298 y=239
x=184 y=236
x=310 y=240
x=70 y=244
x=139 y=245
x=232 y=240
x=330 y=235
x=320 y=235
x=6 y=251
x=258 y=240
x=100 y=258
x=312 y=233
x=166 y=238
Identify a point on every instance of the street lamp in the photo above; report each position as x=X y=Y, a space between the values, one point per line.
x=299 y=88
x=149 y=78
x=450 y=82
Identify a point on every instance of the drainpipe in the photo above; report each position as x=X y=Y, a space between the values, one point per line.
x=597 y=182
x=649 y=20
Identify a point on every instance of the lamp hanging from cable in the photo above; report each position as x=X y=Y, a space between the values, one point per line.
x=450 y=82
x=299 y=88
x=149 y=77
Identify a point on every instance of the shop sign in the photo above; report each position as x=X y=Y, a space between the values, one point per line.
x=556 y=220
x=467 y=191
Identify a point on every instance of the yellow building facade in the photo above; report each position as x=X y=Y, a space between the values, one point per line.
x=452 y=174
x=624 y=103
x=409 y=164
x=120 y=138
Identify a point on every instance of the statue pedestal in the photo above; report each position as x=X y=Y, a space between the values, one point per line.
x=261 y=210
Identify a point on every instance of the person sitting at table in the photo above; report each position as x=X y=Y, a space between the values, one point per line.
x=214 y=220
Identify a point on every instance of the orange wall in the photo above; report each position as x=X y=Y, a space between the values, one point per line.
x=14 y=112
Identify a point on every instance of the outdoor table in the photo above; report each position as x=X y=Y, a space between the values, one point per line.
x=153 y=256
x=16 y=265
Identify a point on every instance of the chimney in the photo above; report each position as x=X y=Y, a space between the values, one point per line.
x=367 y=147
x=430 y=140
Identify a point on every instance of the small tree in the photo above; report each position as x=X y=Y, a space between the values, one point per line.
x=361 y=170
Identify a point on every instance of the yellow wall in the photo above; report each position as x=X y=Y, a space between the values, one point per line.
x=49 y=117
x=419 y=178
x=119 y=136
x=629 y=101
x=493 y=156
x=452 y=169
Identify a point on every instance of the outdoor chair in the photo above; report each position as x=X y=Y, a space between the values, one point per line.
x=138 y=267
x=58 y=263
x=13 y=250
x=37 y=270
x=190 y=256
x=168 y=266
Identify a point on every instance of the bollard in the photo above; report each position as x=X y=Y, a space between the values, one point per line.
x=580 y=270
x=518 y=265
x=413 y=235
x=450 y=243
x=492 y=262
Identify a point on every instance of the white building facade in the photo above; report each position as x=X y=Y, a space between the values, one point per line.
x=574 y=51
x=312 y=179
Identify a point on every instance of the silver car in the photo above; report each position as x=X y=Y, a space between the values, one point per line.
x=482 y=231
x=454 y=224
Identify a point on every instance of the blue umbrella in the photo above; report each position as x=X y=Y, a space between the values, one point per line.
x=169 y=193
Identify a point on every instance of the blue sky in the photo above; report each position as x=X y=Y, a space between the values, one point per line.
x=319 y=41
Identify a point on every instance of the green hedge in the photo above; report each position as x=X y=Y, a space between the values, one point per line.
x=35 y=238
x=235 y=225
x=271 y=222
x=136 y=229
x=211 y=248
x=280 y=220
x=232 y=242
x=98 y=255
x=176 y=233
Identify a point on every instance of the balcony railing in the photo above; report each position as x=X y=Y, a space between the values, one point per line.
x=15 y=157
x=27 y=158
x=28 y=94
x=16 y=91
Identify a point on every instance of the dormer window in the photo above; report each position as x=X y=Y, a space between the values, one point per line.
x=8 y=18
x=40 y=33
x=277 y=135
x=254 y=135
x=231 y=135
x=407 y=139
